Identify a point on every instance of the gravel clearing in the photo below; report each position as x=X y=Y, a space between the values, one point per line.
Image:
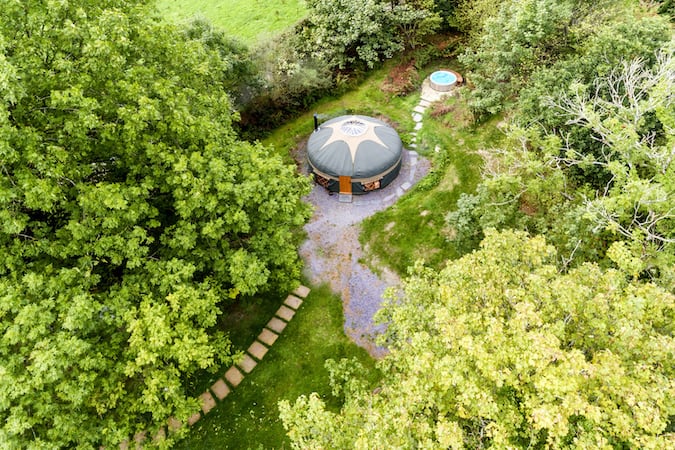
x=332 y=251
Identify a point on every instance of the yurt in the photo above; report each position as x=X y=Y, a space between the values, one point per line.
x=354 y=154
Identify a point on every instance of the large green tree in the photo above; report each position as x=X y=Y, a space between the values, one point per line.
x=345 y=34
x=501 y=350
x=130 y=213
x=605 y=177
x=525 y=37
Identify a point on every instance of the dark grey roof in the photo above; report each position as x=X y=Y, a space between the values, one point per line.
x=357 y=146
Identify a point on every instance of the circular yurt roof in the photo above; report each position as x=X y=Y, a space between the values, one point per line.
x=360 y=147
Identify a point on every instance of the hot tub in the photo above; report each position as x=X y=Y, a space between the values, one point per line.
x=442 y=80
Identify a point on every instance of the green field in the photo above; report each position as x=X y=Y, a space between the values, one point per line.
x=248 y=20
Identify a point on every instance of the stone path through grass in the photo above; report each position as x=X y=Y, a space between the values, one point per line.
x=235 y=374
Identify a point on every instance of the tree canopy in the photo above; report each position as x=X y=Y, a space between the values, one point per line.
x=502 y=350
x=130 y=213
x=345 y=34
x=595 y=176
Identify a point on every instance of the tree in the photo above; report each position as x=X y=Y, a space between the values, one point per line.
x=601 y=50
x=501 y=350
x=240 y=73
x=343 y=33
x=525 y=38
x=522 y=36
x=415 y=20
x=130 y=215
x=605 y=177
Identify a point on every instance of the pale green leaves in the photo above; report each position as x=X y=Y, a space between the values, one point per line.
x=500 y=350
x=130 y=213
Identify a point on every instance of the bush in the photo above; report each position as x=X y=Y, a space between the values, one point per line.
x=401 y=80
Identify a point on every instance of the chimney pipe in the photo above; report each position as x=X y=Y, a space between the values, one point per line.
x=316 y=122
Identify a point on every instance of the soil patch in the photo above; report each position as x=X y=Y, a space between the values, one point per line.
x=332 y=251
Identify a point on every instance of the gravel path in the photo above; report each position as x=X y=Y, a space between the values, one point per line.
x=332 y=250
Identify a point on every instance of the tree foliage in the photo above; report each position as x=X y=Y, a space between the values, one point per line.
x=345 y=34
x=501 y=350
x=606 y=180
x=555 y=41
x=130 y=213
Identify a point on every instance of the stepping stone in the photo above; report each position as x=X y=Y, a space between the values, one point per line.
x=247 y=364
x=301 y=291
x=208 y=402
x=258 y=350
x=413 y=145
x=285 y=313
x=420 y=109
x=424 y=102
x=293 y=301
x=276 y=324
x=220 y=389
x=418 y=126
x=405 y=186
x=267 y=337
x=412 y=153
x=345 y=198
x=233 y=376
x=194 y=419
x=417 y=117
x=399 y=191
x=174 y=424
x=389 y=198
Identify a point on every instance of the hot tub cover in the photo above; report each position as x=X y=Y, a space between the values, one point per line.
x=360 y=147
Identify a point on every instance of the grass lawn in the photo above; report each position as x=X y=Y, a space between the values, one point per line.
x=367 y=98
x=248 y=20
x=294 y=365
x=416 y=223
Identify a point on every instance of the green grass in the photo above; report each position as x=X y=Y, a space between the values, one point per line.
x=248 y=20
x=367 y=98
x=294 y=365
x=415 y=225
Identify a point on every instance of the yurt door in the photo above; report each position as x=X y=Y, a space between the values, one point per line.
x=346 y=185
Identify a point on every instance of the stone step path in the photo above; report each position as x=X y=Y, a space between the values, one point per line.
x=429 y=95
x=236 y=373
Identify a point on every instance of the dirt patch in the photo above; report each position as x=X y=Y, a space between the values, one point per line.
x=333 y=254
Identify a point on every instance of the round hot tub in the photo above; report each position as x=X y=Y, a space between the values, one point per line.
x=442 y=80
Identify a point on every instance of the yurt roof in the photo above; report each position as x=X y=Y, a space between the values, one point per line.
x=357 y=146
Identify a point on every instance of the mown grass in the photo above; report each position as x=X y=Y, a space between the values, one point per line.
x=367 y=99
x=414 y=228
x=249 y=20
x=294 y=365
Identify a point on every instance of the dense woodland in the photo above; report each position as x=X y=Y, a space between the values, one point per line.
x=136 y=204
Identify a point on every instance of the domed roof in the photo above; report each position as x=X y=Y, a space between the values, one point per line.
x=360 y=147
